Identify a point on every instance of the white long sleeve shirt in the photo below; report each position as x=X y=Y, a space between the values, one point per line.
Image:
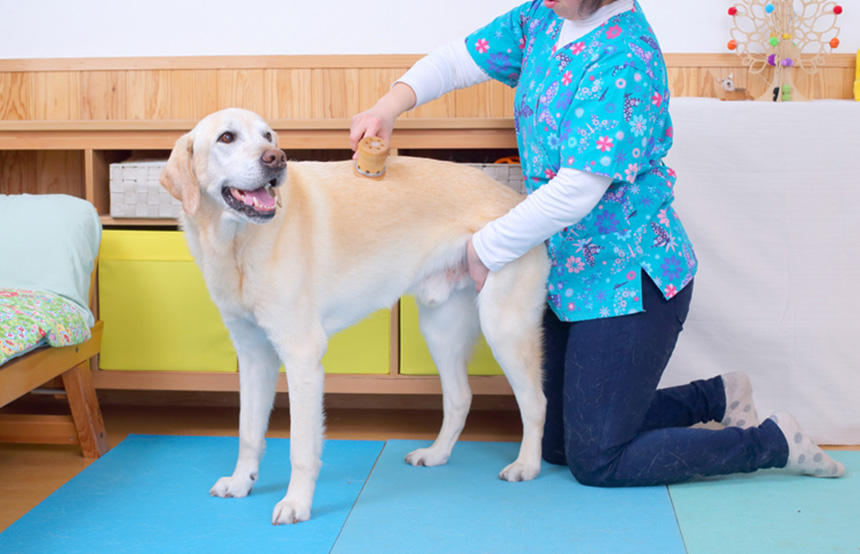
x=564 y=200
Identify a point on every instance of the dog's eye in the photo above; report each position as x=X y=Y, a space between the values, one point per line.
x=227 y=137
x=268 y=136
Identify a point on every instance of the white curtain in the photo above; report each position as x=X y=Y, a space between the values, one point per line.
x=770 y=195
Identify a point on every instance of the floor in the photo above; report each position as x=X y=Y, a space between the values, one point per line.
x=29 y=473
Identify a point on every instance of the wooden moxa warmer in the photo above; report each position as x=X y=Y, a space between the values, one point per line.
x=372 y=152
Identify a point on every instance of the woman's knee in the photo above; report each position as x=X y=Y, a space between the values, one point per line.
x=595 y=468
x=591 y=476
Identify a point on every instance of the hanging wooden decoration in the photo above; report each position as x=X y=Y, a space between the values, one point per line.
x=775 y=38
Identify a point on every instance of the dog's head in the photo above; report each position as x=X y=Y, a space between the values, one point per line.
x=231 y=158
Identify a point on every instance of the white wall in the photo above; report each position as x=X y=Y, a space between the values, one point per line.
x=106 y=28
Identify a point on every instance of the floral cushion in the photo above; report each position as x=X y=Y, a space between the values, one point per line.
x=29 y=319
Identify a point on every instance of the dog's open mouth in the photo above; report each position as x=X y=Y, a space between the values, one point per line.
x=260 y=203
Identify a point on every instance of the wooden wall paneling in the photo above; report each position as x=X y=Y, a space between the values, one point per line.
x=337 y=93
x=60 y=172
x=682 y=81
x=707 y=79
x=490 y=99
x=150 y=94
x=17 y=171
x=294 y=95
x=159 y=93
x=501 y=99
x=351 y=81
x=271 y=82
x=440 y=108
x=241 y=88
x=828 y=82
x=137 y=100
x=61 y=93
x=468 y=101
x=16 y=95
x=319 y=84
x=374 y=83
x=41 y=172
x=302 y=87
x=195 y=93
x=103 y=95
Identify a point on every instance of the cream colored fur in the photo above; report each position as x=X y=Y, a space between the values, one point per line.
x=340 y=247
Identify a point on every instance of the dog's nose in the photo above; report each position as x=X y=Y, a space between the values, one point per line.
x=276 y=159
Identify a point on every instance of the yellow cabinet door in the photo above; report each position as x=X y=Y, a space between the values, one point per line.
x=158 y=314
x=156 y=310
x=415 y=356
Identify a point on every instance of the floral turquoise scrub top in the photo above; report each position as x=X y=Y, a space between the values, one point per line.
x=601 y=105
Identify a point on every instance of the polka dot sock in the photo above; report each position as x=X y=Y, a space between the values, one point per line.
x=804 y=456
x=740 y=410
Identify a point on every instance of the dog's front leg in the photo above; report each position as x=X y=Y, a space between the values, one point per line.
x=258 y=373
x=305 y=381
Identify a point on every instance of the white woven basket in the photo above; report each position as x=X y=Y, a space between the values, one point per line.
x=507 y=174
x=135 y=191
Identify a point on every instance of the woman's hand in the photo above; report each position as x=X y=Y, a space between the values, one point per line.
x=371 y=123
x=477 y=270
x=379 y=120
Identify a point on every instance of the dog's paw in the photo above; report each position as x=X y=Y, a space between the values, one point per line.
x=427 y=457
x=232 y=486
x=520 y=471
x=289 y=511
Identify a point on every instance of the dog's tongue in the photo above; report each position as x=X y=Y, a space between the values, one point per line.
x=259 y=197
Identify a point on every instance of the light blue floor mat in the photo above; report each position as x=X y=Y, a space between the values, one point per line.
x=151 y=494
x=770 y=512
x=464 y=507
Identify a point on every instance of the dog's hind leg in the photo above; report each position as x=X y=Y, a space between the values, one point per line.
x=258 y=371
x=511 y=308
x=450 y=329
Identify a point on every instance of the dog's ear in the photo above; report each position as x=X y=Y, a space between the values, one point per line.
x=178 y=176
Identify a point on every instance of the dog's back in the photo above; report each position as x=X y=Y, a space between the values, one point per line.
x=413 y=190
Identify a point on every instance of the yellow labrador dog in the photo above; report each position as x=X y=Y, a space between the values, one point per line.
x=294 y=252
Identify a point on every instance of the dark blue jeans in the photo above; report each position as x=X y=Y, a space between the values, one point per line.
x=610 y=424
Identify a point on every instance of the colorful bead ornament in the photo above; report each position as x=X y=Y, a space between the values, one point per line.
x=787 y=28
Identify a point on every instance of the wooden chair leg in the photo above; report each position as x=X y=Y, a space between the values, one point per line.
x=86 y=413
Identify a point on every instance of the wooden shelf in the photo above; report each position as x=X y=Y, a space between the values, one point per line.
x=334 y=383
x=294 y=134
x=108 y=221
x=95 y=144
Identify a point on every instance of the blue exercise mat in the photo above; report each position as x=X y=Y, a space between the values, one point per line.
x=151 y=494
x=771 y=512
x=464 y=507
